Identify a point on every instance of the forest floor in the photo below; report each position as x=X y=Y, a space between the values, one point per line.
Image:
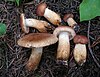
x=13 y=57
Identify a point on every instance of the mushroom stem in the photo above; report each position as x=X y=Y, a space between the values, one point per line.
x=71 y=22
x=51 y=16
x=30 y=22
x=80 y=53
x=38 y=24
x=34 y=59
x=63 y=50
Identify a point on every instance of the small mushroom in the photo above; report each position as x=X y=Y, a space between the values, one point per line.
x=50 y=15
x=36 y=41
x=30 y=22
x=80 y=51
x=65 y=34
x=71 y=22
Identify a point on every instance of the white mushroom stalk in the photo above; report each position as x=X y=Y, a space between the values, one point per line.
x=53 y=17
x=80 y=53
x=63 y=50
x=35 y=23
x=71 y=22
x=38 y=24
x=30 y=22
x=34 y=59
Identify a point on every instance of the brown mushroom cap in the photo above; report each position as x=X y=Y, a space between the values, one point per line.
x=22 y=23
x=65 y=29
x=80 y=39
x=37 y=40
x=66 y=16
x=41 y=9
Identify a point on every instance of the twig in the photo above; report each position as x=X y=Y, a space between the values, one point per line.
x=6 y=59
x=96 y=42
x=11 y=62
x=49 y=70
x=1 y=67
x=10 y=47
x=90 y=50
x=29 y=3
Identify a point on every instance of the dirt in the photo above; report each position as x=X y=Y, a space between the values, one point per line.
x=13 y=57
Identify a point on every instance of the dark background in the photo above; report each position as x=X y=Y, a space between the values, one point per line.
x=13 y=58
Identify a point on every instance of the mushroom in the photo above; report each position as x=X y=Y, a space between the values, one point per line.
x=30 y=22
x=50 y=15
x=71 y=22
x=80 y=52
x=65 y=34
x=36 y=41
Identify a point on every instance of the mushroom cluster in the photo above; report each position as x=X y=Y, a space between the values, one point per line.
x=62 y=34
